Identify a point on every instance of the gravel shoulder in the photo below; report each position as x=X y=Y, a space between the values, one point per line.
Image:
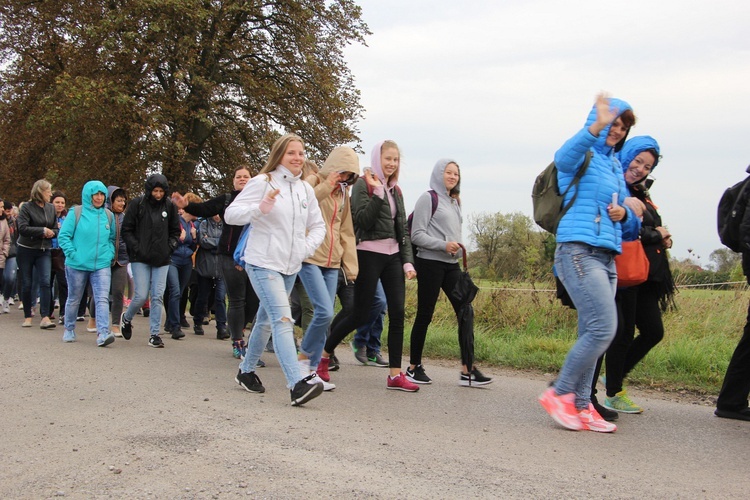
x=136 y=422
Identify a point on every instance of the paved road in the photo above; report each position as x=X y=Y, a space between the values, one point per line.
x=132 y=421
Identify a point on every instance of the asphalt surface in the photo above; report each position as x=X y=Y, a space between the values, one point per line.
x=131 y=421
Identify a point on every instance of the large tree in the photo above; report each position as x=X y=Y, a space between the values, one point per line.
x=114 y=89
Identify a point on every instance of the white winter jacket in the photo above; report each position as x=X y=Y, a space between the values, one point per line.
x=290 y=232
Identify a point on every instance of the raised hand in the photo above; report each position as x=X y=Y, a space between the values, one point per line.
x=371 y=179
x=179 y=200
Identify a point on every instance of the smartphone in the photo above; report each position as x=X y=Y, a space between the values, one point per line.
x=614 y=199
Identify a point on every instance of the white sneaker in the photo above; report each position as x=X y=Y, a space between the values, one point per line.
x=6 y=309
x=11 y=301
x=314 y=379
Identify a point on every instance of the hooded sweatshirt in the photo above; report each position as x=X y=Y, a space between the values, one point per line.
x=587 y=221
x=121 y=249
x=151 y=227
x=89 y=243
x=339 y=245
x=430 y=232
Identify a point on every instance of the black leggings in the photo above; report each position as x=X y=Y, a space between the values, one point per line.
x=389 y=270
x=432 y=275
x=243 y=302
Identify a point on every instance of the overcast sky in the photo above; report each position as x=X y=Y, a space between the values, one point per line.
x=499 y=86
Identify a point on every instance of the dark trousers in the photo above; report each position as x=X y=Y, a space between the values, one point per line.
x=736 y=386
x=389 y=269
x=58 y=277
x=432 y=276
x=29 y=261
x=243 y=302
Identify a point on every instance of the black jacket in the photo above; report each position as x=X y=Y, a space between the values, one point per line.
x=151 y=228
x=32 y=219
x=215 y=206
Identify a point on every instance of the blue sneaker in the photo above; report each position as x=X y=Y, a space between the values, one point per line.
x=69 y=336
x=104 y=339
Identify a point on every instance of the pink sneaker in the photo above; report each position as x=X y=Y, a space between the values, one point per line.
x=592 y=421
x=401 y=383
x=562 y=409
x=322 y=370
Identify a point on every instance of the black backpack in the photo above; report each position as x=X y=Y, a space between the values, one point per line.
x=547 y=199
x=410 y=218
x=730 y=212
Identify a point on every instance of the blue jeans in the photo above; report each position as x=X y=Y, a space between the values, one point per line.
x=178 y=277
x=147 y=279
x=274 y=317
x=9 y=277
x=33 y=262
x=590 y=278
x=100 y=282
x=369 y=335
x=320 y=284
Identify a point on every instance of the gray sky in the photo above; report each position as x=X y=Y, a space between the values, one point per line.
x=499 y=86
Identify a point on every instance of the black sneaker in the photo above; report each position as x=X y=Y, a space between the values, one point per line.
x=126 y=327
x=146 y=312
x=304 y=392
x=177 y=333
x=418 y=376
x=222 y=333
x=249 y=381
x=198 y=328
x=474 y=379
x=606 y=413
x=155 y=341
x=184 y=323
x=333 y=363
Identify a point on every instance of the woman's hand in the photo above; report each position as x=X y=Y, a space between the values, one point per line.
x=268 y=201
x=636 y=205
x=664 y=232
x=193 y=232
x=48 y=233
x=604 y=115
x=667 y=242
x=182 y=234
x=179 y=200
x=410 y=275
x=616 y=213
x=452 y=248
x=371 y=179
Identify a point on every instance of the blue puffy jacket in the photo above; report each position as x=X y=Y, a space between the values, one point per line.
x=587 y=220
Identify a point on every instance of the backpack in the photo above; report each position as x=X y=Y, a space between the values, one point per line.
x=77 y=209
x=730 y=212
x=410 y=218
x=239 y=251
x=547 y=199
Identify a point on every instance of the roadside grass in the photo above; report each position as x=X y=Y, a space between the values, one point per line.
x=530 y=330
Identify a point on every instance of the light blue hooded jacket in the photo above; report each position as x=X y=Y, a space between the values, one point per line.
x=635 y=146
x=587 y=220
x=89 y=244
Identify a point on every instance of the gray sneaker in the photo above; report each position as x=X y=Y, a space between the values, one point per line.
x=375 y=359
x=359 y=353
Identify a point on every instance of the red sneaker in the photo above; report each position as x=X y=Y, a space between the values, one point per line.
x=322 y=370
x=592 y=421
x=401 y=383
x=562 y=409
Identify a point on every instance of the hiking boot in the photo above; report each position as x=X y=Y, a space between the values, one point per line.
x=622 y=403
x=177 y=333
x=333 y=363
x=562 y=409
x=474 y=379
x=375 y=359
x=417 y=375
x=222 y=334
x=322 y=370
x=198 y=328
x=592 y=421
x=69 y=336
x=401 y=383
x=250 y=382
x=126 y=327
x=184 y=322
x=305 y=390
x=743 y=414
x=155 y=341
x=103 y=340
x=239 y=349
x=605 y=413
x=360 y=354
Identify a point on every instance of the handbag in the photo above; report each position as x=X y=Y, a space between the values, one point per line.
x=632 y=264
x=58 y=259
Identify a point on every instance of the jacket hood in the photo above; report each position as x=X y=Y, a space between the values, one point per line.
x=341 y=159
x=154 y=181
x=112 y=193
x=377 y=168
x=436 y=179
x=636 y=146
x=601 y=142
x=89 y=190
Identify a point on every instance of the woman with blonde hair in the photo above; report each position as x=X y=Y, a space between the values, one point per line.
x=287 y=227
x=37 y=225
